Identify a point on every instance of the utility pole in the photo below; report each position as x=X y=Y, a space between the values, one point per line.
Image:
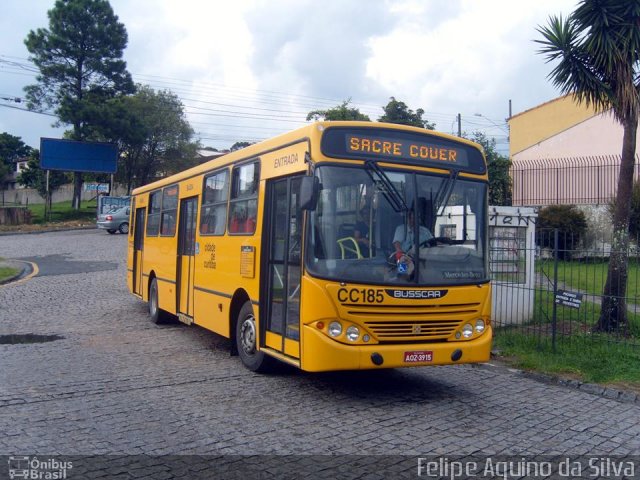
x=459 y=125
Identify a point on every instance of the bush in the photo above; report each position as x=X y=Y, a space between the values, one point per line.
x=571 y=224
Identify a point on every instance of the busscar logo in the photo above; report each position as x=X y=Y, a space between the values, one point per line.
x=416 y=294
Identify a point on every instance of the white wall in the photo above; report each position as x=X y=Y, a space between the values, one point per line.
x=513 y=302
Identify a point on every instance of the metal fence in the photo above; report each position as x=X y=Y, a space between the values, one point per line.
x=560 y=300
x=563 y=181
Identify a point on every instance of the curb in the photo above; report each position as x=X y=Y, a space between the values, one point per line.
x=610 y=393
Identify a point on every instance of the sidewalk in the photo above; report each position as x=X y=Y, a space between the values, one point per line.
x=46 y=227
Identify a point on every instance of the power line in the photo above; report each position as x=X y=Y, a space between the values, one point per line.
x=27 y=110
x=246 y=100
x=214 y=90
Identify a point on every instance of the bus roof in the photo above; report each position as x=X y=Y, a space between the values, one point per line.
x=311 y=133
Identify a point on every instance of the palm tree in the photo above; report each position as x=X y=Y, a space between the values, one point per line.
x=598 y=49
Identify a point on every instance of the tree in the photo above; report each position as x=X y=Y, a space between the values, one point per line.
x=634 y=216
x=34 y=177
x=81 y=66
x=152 y=133
x=597 y=48
x=341 y=112
x=399 y=112
x=498 y=167
x=11 y=149
x=240 y=145
x=571 y=224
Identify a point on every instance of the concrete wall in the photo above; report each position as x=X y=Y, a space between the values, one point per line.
x=596 y=136
x=513 y=296
x=27 y=196
x=544 y=121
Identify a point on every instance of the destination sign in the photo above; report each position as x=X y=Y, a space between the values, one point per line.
x=383 y=146
x=409 y=147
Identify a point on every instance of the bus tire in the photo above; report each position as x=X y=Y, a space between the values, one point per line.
x=158 y=316
x=246 y=342
x=123 y=228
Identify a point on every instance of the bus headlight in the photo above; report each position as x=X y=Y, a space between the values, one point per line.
x=353 y=333
x=335 y=329
x=479 y=325
x=467 y=330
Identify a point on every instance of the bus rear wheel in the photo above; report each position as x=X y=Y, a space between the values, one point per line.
x=246 y=342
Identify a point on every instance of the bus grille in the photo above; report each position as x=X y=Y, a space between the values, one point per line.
x=411 y=323
x=419 y=312
x=416 y=330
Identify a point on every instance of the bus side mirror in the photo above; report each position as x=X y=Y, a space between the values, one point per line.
x=309 y=190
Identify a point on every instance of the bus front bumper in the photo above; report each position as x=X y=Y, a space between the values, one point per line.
x=321 y=353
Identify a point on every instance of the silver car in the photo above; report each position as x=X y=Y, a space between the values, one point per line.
x=115 y=220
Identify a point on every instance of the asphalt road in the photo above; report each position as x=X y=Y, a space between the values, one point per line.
x=99 y=379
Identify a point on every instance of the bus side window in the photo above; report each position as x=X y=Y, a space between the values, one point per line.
x=236 y=225
x=214 y=204
x=169 y=211
x=243 y=204
x=168 y=224
x=153 y=217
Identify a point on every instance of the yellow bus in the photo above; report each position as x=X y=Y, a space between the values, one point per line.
x=337 y=246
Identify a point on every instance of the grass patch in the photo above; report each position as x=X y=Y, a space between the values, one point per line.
x=589 y=276
x=6 y=272
x=63 y=212
x=590 y=358
x=572 y=320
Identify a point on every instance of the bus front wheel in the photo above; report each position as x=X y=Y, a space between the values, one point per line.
x=158 y=316
x=246 y=341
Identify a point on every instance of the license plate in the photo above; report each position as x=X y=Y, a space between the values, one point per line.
x=418 y=356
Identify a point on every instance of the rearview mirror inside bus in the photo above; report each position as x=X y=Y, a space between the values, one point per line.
x=309 y=189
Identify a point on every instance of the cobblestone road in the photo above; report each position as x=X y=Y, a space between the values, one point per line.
x=117 y=384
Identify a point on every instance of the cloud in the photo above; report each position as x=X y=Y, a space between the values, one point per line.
x=446 y=56
x=316 y=48
x=471 y=58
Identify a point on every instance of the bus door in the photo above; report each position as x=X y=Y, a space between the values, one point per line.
x=186 y=258
x=138 y=239
x=281 y=331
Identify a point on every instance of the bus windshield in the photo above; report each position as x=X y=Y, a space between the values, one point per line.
x=383 y=226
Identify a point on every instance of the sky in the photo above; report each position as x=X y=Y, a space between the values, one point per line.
x=247 y=70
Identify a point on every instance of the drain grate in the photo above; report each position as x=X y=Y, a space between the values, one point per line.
x=22 y=338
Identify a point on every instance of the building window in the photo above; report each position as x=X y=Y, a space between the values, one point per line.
x=448 y=231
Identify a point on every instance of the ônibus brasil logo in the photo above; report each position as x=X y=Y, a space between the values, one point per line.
x=33 y=468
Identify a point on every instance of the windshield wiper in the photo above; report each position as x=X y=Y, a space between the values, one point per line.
x=389 y=190
x=444 y=192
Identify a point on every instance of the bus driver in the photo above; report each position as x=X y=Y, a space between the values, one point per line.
x=403 y=237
